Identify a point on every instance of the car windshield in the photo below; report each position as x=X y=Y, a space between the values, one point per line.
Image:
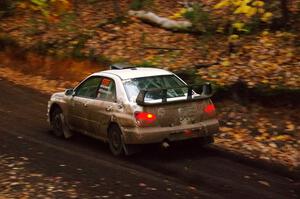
x=134 y=86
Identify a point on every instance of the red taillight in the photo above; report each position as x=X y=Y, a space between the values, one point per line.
x=209 y=109
x=144 y=116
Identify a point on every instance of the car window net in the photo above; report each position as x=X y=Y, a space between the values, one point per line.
x=134 y=86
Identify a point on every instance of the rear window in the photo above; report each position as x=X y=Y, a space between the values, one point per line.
x=134 y=86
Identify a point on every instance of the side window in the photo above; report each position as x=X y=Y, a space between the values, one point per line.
x=107 y=90
x=88 y=88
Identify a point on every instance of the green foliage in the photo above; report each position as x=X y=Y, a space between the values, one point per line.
x=200 y=18
x=140 y=4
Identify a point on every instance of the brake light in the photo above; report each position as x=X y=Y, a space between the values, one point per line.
x=144 y=117
x=210 y=109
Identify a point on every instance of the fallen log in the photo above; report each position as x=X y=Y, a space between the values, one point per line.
x=163 y=22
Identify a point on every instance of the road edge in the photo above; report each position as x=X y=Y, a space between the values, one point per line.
x=268 y=165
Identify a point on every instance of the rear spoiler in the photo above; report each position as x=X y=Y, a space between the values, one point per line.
x=206 y=93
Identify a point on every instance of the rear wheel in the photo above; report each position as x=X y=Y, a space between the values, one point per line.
x=115 y=140
x=207 y=140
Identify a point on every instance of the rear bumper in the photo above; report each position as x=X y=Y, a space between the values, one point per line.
x=158 y=134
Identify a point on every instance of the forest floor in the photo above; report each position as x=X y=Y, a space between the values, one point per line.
x=268 y=58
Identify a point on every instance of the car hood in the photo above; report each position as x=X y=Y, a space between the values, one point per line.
x=58 y=95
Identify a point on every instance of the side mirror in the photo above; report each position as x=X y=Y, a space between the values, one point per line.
x=207 y=89
x=69 y=92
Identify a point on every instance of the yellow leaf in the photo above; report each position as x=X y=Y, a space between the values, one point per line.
x=237 y=2
x=265 y=33
x=281 y=138
x=183 y=11
x=290 y=54
x=222 y=4
x=233 y=38
x=175 y=16
x=242 y=9
x=238 y=10
x=258 y=3
x=260 y=138
x=251 y=12
x=261 y=10
x=225 y=63
x=266 y=16
x=238 y=25
x=220 y=30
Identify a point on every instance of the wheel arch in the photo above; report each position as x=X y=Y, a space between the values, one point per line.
x=111 y=124
x=116 y=124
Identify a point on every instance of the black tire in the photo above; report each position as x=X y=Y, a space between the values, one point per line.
x=57 y=122
x=115 y=140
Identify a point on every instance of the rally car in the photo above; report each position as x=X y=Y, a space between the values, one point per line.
x=127 y=106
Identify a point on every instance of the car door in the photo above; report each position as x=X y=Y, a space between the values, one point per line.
x=103 y=108
x=85 y=93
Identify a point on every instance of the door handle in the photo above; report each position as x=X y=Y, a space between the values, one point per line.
x=109 y=108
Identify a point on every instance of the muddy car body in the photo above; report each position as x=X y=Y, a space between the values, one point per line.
x=131 y=106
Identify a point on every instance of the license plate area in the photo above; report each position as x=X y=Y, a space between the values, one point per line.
x=185 y=134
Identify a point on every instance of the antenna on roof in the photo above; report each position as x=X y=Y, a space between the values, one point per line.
x=120 y=66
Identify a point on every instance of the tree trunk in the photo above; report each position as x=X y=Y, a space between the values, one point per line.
x=117 y=8
x=284 y=12
x=4 y=7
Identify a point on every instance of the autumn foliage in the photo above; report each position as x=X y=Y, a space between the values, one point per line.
x=243 y=37
x=50 y=9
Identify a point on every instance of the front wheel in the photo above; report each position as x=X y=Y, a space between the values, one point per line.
x=58 y=124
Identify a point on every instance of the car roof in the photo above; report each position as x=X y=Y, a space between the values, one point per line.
x=137 y=72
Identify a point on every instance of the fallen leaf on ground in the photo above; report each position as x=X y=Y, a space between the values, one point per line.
x=264 y=183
